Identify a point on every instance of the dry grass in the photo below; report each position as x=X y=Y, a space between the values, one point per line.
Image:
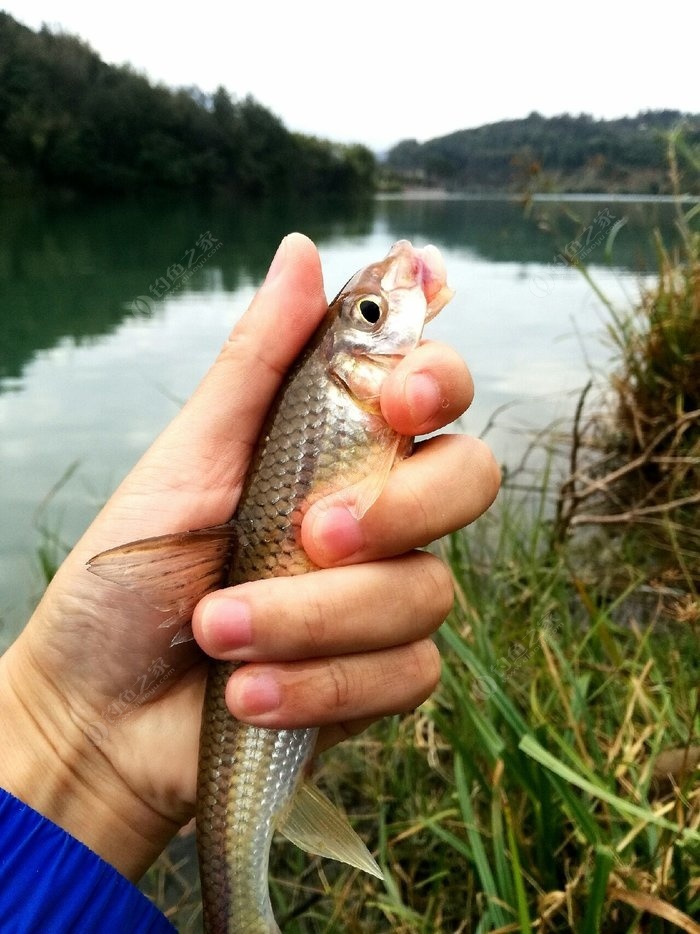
x=635 y=463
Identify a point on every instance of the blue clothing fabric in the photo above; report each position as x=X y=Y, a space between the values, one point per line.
x=51 y=883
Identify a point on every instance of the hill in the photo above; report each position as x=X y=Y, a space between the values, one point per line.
x=563 y=153
x=70 y=120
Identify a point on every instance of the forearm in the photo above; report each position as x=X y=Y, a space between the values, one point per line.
x=48 y=761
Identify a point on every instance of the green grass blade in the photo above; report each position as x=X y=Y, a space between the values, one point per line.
x=518 y=881
x=604 y=860
x=532 y=748
x=502 y=868
x=481 y=862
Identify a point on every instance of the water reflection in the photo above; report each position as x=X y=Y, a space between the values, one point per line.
x=506 y=231
x=73 y=270
x=96 y=378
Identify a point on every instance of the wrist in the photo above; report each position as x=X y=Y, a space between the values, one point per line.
x=48 y=761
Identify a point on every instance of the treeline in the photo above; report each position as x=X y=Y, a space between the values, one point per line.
x=70 y=120
x=563 y=153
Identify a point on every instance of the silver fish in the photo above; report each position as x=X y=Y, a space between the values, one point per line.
x=324 y=433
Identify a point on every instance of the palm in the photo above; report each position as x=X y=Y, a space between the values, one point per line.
x=140 y=698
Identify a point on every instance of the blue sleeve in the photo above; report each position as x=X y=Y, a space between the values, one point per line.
x=53 y=883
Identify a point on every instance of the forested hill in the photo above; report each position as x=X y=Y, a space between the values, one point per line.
x=564 y=153
x=69 y=120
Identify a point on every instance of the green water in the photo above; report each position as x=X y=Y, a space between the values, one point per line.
x=110 y=314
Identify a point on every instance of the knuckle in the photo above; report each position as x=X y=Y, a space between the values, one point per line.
x=312 y=621
x=437 y=590
x=340 y=687
x=243 y=346
x=421 y=672
x=421 y=515
x=430 y=664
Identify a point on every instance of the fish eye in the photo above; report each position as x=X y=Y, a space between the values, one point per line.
x=370 y=310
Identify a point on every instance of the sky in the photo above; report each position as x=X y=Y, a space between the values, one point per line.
x=378 y=72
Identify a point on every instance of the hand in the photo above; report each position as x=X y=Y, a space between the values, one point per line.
x=102 y=714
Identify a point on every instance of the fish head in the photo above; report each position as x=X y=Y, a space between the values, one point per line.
x=379 y=315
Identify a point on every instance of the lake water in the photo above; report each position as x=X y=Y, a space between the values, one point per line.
x=93 y=364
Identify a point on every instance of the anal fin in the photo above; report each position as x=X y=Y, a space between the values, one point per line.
x=316 y=826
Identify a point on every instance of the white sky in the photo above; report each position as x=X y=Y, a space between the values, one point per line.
x=378 y=72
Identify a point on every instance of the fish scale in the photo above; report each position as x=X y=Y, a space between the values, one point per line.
x=255 y=766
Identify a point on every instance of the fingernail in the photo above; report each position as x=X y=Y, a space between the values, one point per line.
x=277 y=264
x=254 y=693
x=423 y=397
x=227 y=624
x=336 y=533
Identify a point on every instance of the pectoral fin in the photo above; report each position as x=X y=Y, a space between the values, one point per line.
x=171 y=572
x=363 y=494
x=316 y=826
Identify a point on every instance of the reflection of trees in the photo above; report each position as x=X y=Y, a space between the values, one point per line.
x=503 y=232
x=75 y=270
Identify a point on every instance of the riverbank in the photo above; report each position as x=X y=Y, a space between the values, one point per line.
x=443 y=194
x=550 y=783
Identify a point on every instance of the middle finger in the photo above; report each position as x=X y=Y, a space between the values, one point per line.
x=448 y=483
x=335 y=611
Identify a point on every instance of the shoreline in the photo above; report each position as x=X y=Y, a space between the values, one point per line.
x=441 y=194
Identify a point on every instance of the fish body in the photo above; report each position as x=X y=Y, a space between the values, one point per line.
x=324 y=433
x=315 y=440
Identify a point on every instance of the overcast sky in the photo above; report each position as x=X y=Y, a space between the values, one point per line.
x=377 y=72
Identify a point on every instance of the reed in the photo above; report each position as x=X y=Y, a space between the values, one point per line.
x=635 y=462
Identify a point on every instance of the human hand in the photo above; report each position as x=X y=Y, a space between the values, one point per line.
x=103 y=714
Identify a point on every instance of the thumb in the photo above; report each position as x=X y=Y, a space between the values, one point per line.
x=205 y=451
x=224 y=416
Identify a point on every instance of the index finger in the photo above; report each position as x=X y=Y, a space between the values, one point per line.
x=448 y=483
x=427 y=390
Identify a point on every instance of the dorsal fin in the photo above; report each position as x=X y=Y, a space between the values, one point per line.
x=171 y=572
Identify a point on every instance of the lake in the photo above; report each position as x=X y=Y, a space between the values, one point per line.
x=111 y=313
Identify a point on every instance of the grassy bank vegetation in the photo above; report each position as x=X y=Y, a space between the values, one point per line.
x=635 y=457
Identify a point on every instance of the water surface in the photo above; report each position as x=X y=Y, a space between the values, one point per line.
x=110 y=314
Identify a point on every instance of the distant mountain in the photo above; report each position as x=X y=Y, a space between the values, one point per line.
x=69 y=120
x=563 y=153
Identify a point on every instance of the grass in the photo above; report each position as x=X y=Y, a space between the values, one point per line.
x=525 y=795
x=531 y=804
x=635 y=464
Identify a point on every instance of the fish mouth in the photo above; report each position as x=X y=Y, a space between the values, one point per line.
x=424 y=267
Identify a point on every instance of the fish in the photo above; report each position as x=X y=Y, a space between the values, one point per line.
x=323 y=434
